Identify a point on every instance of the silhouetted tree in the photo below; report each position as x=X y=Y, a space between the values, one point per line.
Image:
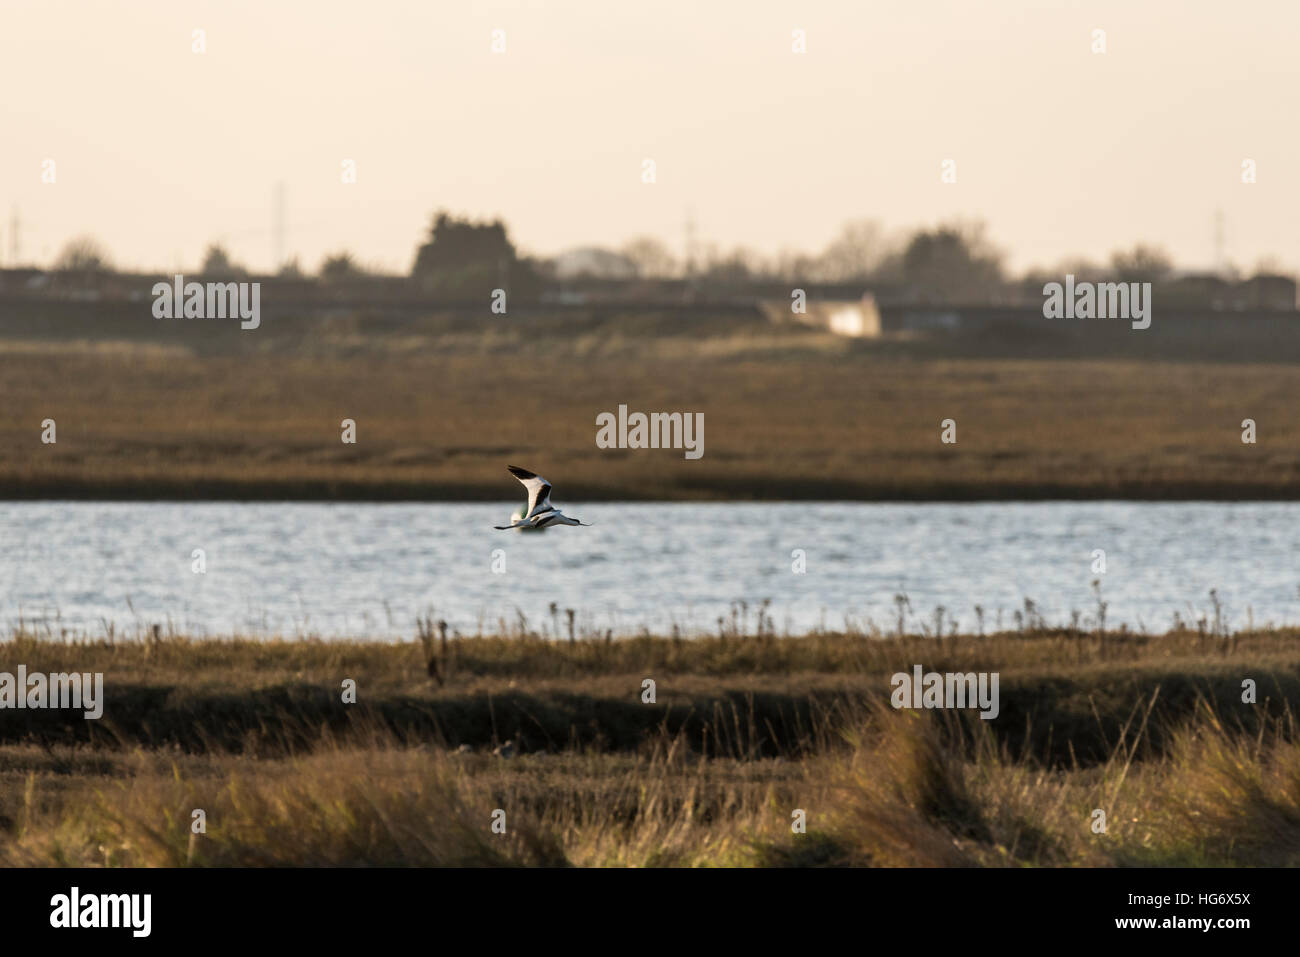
x=793 y=266
x=217 y=262
x=652 y=257
x=463 y=257
x=952 y=262
x=856 y=253
x=734 y=267
x=83 y=254
x=340 y=265
x=1141 y=264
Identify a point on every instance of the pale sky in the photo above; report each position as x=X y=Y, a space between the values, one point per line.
x=159 y=151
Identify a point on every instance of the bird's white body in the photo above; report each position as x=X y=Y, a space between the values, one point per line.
x=553 y=517
x=540 y=514
x=518 y=524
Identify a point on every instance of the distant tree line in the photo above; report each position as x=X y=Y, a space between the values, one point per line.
x=950 y=261
x=461 y=257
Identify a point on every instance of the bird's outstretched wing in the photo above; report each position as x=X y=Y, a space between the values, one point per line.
x=539 y=490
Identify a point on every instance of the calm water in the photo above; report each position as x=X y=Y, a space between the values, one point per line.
x=367 y=570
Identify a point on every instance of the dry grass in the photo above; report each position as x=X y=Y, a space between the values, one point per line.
x=788 y=415
x=1149 y=729
x=901 y=795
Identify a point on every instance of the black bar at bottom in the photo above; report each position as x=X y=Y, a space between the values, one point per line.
x=332 y=907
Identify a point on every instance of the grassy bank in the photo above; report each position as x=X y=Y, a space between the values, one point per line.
x=788 y=415
x=744 y=730
x=898 y=794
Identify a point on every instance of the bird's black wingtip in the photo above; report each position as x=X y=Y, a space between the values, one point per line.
x=517 y=472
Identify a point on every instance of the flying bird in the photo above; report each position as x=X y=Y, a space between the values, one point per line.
x=540 y=513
